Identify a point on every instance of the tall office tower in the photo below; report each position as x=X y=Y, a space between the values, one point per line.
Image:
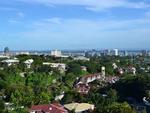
x=126 y=53
x=116 y=52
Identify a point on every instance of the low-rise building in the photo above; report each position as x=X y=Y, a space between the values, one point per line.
x=131 y=69
x=48 y=108
x=28 y=63
x=111 y=79
x=59 y=66
x=4 y=56
x=82 y=88
x=60 y=97
x=79 y=107
x=23 y=53
x=81 y=58
x=9 y=106
x=114 y=66
x=10 y=62
x=91 y=77
x=83 y=68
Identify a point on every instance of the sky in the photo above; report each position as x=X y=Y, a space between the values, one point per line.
x=74 y=24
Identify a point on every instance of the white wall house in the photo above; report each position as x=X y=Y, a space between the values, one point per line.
x=114 y=66
x=83 y=68
x=60 y=66
x=29 y=62
x=134 y=70
x=3 y=56
x=10 y=62
x=81 y=58
x=92 y=77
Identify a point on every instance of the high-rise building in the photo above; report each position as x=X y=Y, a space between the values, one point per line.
x=6 y=51
x=126 y=53
x=148 y=53
x=56 y=53
x=107 y=52
x=115 y=52
x=144 y=52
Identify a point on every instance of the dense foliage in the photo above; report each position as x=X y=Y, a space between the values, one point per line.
x=41 y=84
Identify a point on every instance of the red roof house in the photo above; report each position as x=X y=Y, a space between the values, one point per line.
x=48 y=108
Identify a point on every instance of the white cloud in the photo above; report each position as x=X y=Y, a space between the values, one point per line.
x=20 y=14
x=13 y=21
x=95 y=5
x=92 y=25
x=17 y=18
x=89 y=30
x=54 y=20
x=84 y=33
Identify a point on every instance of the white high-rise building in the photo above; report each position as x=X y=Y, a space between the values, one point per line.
x=116 y=52
x=56 y=53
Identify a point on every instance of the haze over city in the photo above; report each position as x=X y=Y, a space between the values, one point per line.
x=74 y=24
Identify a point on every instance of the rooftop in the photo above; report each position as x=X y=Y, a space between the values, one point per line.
x=79 y=107
x=49 y=108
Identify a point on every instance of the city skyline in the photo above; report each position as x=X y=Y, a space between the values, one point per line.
x=74 y=24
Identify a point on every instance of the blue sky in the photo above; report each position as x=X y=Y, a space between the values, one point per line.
x=74 y=24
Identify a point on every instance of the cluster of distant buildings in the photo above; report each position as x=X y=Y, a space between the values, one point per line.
x=117 y=52
x=76 y=53
x=90 y=53
x=108 y=52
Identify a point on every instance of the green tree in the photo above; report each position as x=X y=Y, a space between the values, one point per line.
x=115 y=108
x=74 y=68
x=112 y=94
x=1 y=106
x=120 y=108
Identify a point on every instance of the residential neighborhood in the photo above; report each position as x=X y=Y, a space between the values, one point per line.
x=74 y=56
x=53 y=84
